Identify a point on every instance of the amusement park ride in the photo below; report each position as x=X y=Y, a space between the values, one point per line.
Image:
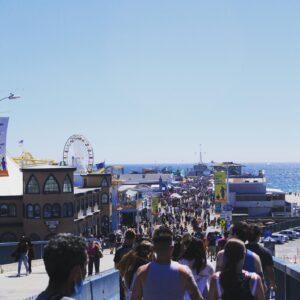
x=27 y=159
x=78 y=152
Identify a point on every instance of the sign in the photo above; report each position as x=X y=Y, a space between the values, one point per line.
x=222 y=223
x=154 y=205
x=3 y=132
x=220 y=187
x=52 y=225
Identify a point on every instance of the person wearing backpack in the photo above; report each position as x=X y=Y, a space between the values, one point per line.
x=234 y=283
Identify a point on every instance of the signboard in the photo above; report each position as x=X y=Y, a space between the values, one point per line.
x=154 y=205
x=3 y=132
x=220 y=187
x=52 y=225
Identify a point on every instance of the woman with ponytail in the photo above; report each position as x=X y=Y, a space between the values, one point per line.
x=234 y=283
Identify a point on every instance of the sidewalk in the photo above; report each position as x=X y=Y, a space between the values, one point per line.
x=17 y=288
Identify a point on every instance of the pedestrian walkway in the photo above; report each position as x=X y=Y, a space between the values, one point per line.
x=17 y=288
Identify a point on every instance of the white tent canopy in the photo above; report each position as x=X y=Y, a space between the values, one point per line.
x=175 y=196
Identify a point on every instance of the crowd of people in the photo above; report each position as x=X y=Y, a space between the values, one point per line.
x=183 y=254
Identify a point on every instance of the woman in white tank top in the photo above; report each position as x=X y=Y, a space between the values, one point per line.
x=195 y=258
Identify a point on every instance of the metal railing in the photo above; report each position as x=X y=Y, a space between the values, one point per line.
x=6 y=250
x=287 y=280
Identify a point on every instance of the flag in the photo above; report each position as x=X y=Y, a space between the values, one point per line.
x=100 y=166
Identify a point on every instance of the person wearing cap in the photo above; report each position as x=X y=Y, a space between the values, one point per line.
x=164 y=279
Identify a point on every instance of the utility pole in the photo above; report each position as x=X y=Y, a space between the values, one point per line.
x=200 y=154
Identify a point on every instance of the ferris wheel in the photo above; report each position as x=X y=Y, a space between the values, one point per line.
x=78 y=153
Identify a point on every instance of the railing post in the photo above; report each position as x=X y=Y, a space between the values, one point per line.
x=284 y=283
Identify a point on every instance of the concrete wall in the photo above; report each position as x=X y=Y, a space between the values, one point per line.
x=101 y=287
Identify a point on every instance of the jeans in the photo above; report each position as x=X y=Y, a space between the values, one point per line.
x=23 y=258
x=93 y=261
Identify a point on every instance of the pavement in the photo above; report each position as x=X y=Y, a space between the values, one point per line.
x=18 y=288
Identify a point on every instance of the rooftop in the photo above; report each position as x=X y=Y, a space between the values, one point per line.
x=48 y=167
x=79 y=190
x=144 y=178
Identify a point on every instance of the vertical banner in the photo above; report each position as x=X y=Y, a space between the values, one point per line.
x=3 y=132
x=220 y=187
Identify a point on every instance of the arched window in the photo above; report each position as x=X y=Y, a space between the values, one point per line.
x=56 y=210
x=32 y=186
x=47 y=211
x=104 y=198
x=68 y=187
x=36 y=211
x=51 y=185
x=3 y=210
x=29 y=211
x=12 y=210
x=70 y=209
x=104 y=183
x=65 y=210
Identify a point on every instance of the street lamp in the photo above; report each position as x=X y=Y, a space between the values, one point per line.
x=10 y=97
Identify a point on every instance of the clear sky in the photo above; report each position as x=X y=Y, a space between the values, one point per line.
x=148 y=81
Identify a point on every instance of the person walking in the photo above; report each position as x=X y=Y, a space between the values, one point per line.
x=252 y=261
x=139 y=257
x=164 y=279
x=126 y=247
x=195 y=258
x=21 y=255
x=94 y=254
x=264 y=255
x=234 y=283
x=65 y=261
x=30 y=255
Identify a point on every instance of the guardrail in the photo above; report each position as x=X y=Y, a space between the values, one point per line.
x=287 y=279
x=104 y=286
x=6 y=249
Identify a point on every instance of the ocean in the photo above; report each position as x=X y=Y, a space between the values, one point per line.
x=284 y=176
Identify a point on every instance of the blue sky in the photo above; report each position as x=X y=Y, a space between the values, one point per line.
x=148 y=81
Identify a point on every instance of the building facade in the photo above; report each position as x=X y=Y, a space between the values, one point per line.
x=41 y=201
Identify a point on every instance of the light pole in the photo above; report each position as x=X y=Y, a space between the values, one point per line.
x=11 y=96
